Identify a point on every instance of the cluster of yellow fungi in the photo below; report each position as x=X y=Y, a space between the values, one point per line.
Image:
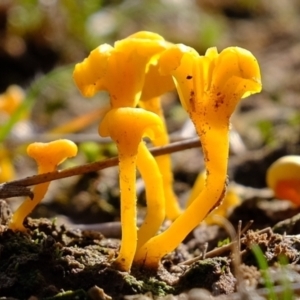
x=135 y=73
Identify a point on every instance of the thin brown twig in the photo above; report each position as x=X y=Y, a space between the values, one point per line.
x=90 y=167
x=220 y=250
x=238 y=236
x=247 y=226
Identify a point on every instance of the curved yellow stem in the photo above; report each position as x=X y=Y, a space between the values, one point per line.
x=127 y=165
x=28 y=205
x=127 y=126
x=197 y=188
x=164 y=162
x=152 y=177
x=215 y=142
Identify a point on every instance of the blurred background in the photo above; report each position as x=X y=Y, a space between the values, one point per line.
x=40 y=41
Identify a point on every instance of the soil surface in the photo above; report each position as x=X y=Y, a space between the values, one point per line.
x=57 y=262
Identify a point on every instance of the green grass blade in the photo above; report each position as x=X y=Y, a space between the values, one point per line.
x=264 y=267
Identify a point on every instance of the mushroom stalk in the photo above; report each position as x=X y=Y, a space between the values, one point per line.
x=164 y=162
x=230 y=200
x=127 y=166
x=28 y=205
x=127 y=126
x=151 y=253
x=152 y=177
x=209 y=87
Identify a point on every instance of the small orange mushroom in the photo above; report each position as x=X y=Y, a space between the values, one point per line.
x=209 y=87
x=283 y=177
x=127 y=126
x=48 y=156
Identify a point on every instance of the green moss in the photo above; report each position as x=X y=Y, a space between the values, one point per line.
x=157 y=287
x=153 y=285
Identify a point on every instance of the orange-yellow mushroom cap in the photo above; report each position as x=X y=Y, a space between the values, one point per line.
x=283 y=177
x=49 y=155
x=215 y=80
x=119 y=70
x=128 y=125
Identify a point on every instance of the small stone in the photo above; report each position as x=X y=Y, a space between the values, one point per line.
x=196 y=294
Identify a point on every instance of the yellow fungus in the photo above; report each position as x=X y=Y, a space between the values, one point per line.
x=127 y=126
x=119 y=70
x=137 y=70
x=209 y=87
x=48 y=156
x=130 y=74
x=156 y=85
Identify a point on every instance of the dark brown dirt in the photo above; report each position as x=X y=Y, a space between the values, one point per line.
x=49 y=259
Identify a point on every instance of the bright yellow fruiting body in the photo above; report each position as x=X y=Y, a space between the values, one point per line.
x=283 y=177
x=129 y=73
x=155 y=196
x=48 y=156
x=127 y=126
x=136 y=71
x=164 y=161
x=209 y=87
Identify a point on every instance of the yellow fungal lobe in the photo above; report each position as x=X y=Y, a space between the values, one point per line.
x=128 y=125
x=49 y=155
x=119 y=70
